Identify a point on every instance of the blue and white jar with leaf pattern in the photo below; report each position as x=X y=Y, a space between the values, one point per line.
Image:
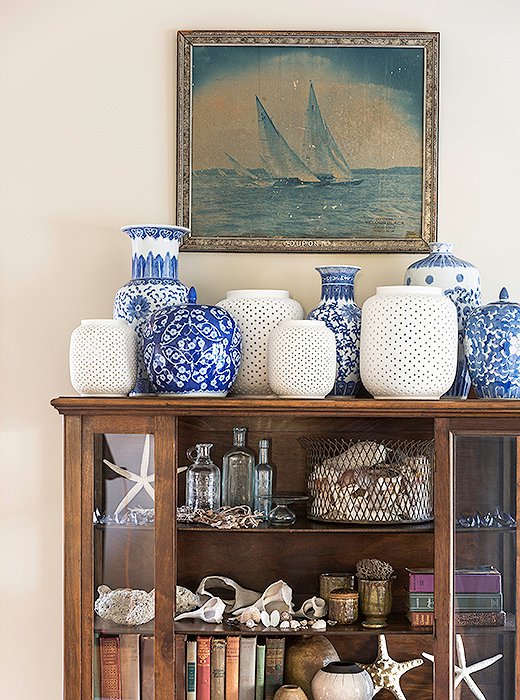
x=492 y=344
x=154 y=284
x=192 y=349
x=340 y=313
x=460 y=282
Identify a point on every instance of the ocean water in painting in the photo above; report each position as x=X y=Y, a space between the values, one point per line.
x=384 y=205
x=307 y=143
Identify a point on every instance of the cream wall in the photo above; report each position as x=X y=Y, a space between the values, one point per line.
x=87 y=144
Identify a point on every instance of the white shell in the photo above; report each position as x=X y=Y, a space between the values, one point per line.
x=277 y=596
x=319 y=625
x=250 y=623
x=409 y=343
x=275 y=618
x=212 y=612
x=313 y=608
x=295 y=625
x=301 y=359
x=257 y=312
x=103 y=358
x=285 y=625
x=265 y=618
x=250 y=613
x=364 y=454
x=240 y=597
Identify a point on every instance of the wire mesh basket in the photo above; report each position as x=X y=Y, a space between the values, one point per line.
x=369 y=482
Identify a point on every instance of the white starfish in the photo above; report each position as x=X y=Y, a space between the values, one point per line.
x=386 y=672
x=463 y=672
x=142 y=480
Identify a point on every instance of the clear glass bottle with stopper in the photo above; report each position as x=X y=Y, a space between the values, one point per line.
x=202 y=479
x=238 y=465
x=263 y=481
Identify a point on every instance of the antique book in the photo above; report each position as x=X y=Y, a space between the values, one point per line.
x=274 y=663
x=203 y=680
x=260 y=672
x=462 y=619
x=191 y=669
x=218 y=669
x=232 y=667
x=110 y=668
x=464 y=602
x=484 y=579
x=129 y=662
x=147 y=669
x=247 y=666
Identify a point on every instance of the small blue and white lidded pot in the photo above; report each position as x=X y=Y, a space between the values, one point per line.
x=460 y=282
x=492 y=345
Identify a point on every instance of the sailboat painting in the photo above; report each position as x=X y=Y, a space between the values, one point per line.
x=307 y=147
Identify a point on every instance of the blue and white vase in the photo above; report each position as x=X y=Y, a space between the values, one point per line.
x=192 y=349
x=460 y=281
x=492 y=345
x=154 y=284
x=340 y=313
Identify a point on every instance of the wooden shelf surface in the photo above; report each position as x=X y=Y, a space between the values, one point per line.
x=311 y=526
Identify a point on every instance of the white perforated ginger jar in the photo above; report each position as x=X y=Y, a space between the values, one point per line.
x=302 y=359
x=409 y=343
x=103 y=358
x=257 y=312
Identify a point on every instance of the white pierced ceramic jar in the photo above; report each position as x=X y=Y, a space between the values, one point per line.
x=257 y=312
x=409 y=343
x=103 y=358
x=341 y=680
x=301 y=359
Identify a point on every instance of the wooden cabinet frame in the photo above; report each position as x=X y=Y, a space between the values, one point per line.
x=85 y=417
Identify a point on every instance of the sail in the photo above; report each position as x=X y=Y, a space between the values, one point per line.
x=241 y=169
x=321 y=152
x=279 y=158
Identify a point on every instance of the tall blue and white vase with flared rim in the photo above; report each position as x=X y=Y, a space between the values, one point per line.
x=154 y=284
x=460 y=282
x=341 y=314
x=492 y=345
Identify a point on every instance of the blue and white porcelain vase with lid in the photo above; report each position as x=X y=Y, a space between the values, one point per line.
x=192 y=350
x=341 y=314
x=154 y=283
x=492 y=345
x=460 y=282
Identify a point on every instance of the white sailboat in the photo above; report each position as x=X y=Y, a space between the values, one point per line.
x=322 y=164
x=322 y=154
x=279 y=159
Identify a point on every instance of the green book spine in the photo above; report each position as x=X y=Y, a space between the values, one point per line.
x=464 y=602
x=191 y=670
x=274 y=665
x=260 y=672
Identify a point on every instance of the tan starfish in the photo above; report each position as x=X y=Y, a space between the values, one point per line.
x=386 y=672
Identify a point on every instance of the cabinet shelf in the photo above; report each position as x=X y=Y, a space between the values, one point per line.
x=308 y=526
x=111 y=628
x=397 y=624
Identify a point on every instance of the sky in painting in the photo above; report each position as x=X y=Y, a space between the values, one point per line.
x=370 y=97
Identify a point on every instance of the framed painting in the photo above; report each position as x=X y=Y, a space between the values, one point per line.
x=307 y=141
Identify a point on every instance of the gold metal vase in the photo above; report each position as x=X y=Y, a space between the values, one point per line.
x=375 y=602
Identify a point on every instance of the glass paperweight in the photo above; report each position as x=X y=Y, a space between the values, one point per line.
x=281 y=514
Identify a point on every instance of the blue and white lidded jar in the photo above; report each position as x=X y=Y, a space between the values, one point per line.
x=492 y=345
x=154 y=283
x=460 y=282
x=341 y=314
x=192 y=349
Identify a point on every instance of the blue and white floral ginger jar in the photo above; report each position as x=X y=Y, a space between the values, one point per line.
x=492 y=345
x=340 y=313
x=192 y=349
x=460 y=282
x=154 y=283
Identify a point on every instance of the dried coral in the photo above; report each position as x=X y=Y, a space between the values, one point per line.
x=374 y=570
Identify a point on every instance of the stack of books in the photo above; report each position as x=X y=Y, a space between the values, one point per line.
x=125 y=667
x=478 y=597
x=234 y=668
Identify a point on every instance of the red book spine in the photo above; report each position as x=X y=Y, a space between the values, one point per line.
x=203 y=668
x=110 y=668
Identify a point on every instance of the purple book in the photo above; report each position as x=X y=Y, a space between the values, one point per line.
x=485 y=579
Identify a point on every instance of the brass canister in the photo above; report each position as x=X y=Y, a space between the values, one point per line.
x=343 y=606
x=328 y=582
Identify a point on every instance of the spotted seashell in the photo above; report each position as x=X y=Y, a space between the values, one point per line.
x=285 y=616
x=251 y=613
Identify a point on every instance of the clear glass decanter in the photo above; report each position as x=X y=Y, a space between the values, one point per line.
x=263 y=480
x=238 y=465
x=202 y=479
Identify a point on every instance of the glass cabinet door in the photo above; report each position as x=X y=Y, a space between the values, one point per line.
x=485 y=562
x=123 y=559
